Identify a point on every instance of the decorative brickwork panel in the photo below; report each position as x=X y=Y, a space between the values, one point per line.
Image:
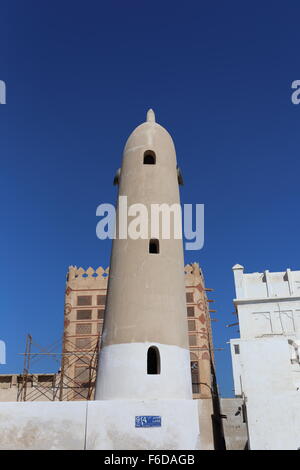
x=83 y=343
x=84 y=314
x=191 y=325
x=82 y=374
x=195 y=376
x=84 y=300
x=83 y=361
x=100 y=314
x=101 y=299
x=83 y=328
x=190 y=311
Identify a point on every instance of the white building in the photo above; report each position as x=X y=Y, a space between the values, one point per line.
x=266 y=365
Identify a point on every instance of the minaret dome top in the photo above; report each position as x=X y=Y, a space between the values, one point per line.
x=150 y=135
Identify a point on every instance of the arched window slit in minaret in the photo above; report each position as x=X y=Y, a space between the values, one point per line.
x=153 y=360
x=149 y=157
x=154 y=246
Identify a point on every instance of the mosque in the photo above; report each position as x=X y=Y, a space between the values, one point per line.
x=145 y=396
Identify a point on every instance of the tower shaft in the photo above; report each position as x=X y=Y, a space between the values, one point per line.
x=144 y=352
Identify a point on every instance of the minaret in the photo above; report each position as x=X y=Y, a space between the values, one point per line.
x=144 y=352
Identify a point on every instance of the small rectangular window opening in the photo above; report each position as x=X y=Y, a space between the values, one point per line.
x=154 y=246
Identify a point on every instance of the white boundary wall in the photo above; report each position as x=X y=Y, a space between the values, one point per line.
x=107 y=424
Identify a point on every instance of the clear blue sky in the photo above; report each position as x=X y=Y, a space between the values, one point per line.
x=80 y=76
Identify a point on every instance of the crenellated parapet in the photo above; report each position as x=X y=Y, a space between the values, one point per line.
x=75 y=272
x=79 y=278
x=193 y=274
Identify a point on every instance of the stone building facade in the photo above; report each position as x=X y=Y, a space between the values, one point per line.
x=85 y=299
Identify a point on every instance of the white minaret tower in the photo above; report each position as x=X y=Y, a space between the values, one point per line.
x=144 y=352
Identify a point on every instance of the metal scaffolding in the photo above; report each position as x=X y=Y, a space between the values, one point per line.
x=64 y=384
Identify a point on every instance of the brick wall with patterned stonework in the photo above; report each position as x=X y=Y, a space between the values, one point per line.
x=84 y=311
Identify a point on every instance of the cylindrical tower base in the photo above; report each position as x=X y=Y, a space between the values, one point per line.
x=124 y=372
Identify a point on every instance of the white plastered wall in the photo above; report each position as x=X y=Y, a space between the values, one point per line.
x=117 y=381
x=108 y=424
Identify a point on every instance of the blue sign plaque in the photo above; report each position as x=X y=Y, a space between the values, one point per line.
x=147 y=421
